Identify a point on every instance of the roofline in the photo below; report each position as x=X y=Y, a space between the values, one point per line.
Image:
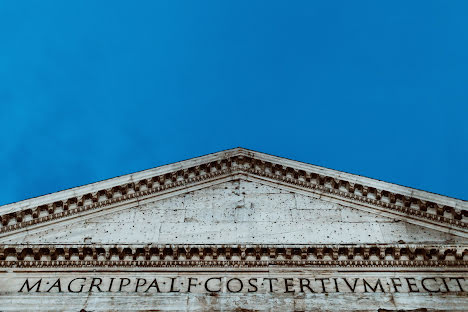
x=352 y=177
x=238 y=151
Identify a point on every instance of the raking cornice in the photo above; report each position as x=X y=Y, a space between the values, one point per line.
x=448 y=213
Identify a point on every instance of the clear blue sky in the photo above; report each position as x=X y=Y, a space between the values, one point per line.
x=90 y=90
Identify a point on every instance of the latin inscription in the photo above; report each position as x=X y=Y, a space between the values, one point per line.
x=251 y=284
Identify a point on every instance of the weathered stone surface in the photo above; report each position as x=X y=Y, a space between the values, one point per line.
x=236 y=230
x=233 y=212
x=320 y=291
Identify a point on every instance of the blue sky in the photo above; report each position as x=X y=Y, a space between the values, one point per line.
x=90 y=90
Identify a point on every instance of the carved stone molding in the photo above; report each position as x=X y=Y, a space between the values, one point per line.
x=233 y=255
x=413 y=206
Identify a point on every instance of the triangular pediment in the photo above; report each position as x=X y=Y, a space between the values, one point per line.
x=238 y=210
x=232 y=197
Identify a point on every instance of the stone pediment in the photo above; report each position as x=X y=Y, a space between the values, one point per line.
x=236 y=209
x=390 y=212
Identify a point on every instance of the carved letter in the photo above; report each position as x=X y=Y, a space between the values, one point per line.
x=395 y=285
x=56 y=284
x=424 y=285
x=111 y=282
x=336 y=285
x=81 y=286
x=240 y=283
x=172 y=285
x=349 y=285
x=122 y=283
x=95 y=285
x=411 y=284
x=154 y=284
x=138 y=283
x=190 y=282
x=374 y=289
x=271 y=284
x=26 y=283
x=212 y=278
x=458 y=281
x=323 y=283
x=253 y=285
x=302 y=285
x=445 y=283
x=288 y=283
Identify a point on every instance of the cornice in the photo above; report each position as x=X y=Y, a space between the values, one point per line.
x=233 y=255
x=240 y=161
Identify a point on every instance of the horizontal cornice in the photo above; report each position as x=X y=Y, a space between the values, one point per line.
x=397 y=255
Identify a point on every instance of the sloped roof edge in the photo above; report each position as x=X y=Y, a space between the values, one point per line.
x=238 y=151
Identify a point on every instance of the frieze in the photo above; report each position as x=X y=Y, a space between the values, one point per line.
x=112 y=290
x=253 y=283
